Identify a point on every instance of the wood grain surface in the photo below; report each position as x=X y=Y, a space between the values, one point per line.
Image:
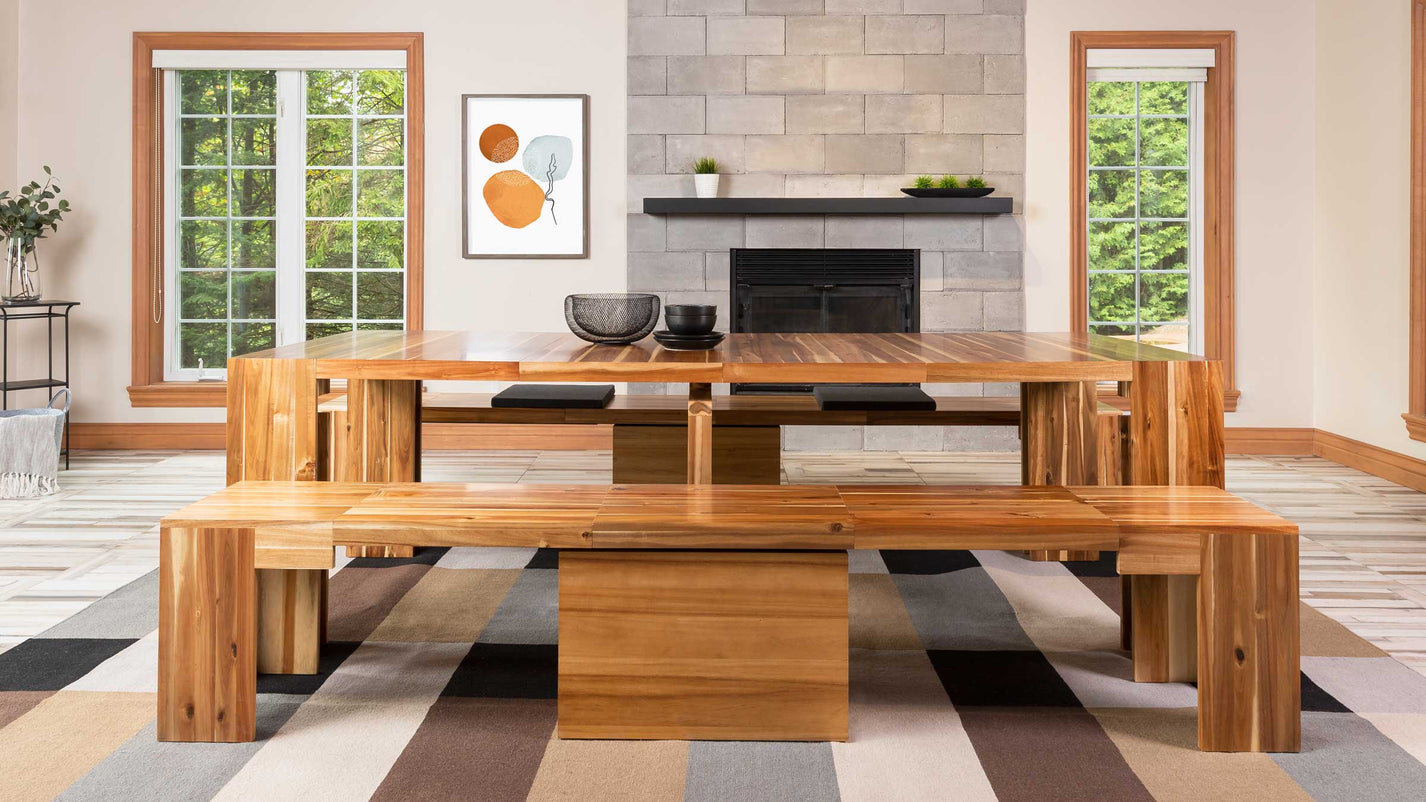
x=742 y=455
x=723 y=517
x=538 y=356
x=741 y=646
x=207 y=655
x=1249 y=688
x=1059 y=443
x=453 y=514
x=971 y=517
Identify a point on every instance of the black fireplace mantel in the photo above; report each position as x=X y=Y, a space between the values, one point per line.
x=903 y=205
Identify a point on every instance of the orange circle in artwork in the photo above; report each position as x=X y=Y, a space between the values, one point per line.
x=514 y=198
x=499 y=143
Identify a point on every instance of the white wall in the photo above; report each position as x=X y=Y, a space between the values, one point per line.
x=1275 y=185
x=74 y=112
x=9 y=81
x=1363 y=222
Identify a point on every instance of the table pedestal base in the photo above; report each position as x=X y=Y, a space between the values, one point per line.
x=738 y=646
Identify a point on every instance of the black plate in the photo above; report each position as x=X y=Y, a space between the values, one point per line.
x=668 y=335
x=958 y=192
x=688 y=342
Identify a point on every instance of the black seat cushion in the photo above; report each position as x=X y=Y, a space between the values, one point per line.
x=555 y=396
x=834 y=397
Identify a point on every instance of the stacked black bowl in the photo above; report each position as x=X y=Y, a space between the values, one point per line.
x=690 y=327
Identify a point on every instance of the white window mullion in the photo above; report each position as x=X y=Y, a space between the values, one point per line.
x=291 y=208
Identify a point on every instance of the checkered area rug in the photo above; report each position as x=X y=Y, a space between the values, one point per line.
x=975 y=675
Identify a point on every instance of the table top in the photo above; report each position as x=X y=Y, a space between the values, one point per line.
x=780 y=358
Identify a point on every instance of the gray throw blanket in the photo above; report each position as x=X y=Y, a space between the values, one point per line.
x=29 y=455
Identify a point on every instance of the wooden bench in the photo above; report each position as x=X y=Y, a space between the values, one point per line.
x=707 y=612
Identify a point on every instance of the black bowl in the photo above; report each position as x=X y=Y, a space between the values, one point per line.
x=690 y=318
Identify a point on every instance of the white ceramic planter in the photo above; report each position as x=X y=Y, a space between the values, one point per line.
x=706 y=185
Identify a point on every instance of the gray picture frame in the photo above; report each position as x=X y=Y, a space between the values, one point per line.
x=466 y=251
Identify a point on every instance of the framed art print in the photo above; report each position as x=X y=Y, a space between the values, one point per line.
x=525 y=176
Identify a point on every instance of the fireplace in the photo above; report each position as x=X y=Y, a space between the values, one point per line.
x=845 y=290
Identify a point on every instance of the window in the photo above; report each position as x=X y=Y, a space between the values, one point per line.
x=270 y=249
x=1144 y=234
x=278 y=196
x=1151 y=174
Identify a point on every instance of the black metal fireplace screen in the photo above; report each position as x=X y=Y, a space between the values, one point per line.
x=842 y=290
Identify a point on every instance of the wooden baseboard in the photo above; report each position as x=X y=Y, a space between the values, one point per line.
x=1284 y=442
x=151 y=436
x=1375 y=460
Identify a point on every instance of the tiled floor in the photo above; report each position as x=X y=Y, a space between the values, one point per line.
x=1363 y=550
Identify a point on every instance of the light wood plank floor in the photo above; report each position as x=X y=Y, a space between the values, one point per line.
x=1363 y=548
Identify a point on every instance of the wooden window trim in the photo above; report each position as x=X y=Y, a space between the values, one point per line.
x=148 y=389
x=1217 y=182
x=1415 y=416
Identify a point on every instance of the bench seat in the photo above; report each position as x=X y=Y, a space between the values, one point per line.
x=832 y=517
x=711 y=611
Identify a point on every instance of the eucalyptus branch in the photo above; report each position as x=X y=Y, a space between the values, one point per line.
x=32 y=208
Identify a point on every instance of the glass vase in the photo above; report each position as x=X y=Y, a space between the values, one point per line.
x=22 y=270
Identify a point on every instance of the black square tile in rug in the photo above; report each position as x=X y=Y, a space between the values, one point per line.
x=49 y=664
x=927 y=562
x=424 y=556
x=507 y=671
x=1317 y=700
x=333 y=654
x=545 y=558
x=1000 y=679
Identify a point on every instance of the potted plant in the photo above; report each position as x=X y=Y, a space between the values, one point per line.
x=24 y=217
x=948 y=186
x=705 y=177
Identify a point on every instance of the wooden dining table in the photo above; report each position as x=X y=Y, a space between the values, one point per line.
x=1175 y=401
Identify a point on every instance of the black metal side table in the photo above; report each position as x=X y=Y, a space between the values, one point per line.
x=48 y=311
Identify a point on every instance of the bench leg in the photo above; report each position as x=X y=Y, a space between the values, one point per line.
x=700 y=434
x=207 y=651
x=377 y=439
x=742 y=455
x=1175 y=438
x=1059 y=443
x=1249 y=693
x=292 y=620
x=1162 y=611
x=741 y=646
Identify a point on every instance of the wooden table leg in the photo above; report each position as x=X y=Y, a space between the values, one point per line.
x=272 y=420
x=741 y=646
x=292 y=620
x=700 y=434
x=1249 y=693
x=1059 y=442
x=1176 y=438
x=207 y=651
x=376 y=439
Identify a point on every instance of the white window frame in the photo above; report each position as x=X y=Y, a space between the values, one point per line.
x=290 y=196
x=1150 y=65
